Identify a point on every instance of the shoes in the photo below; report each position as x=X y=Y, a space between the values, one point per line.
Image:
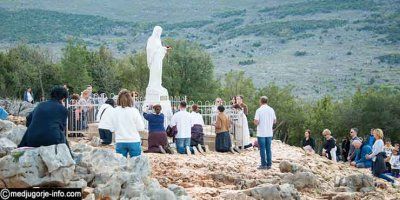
x=188 y=152
x=172 y=150
x=206 y=149
x=162 y=149
x=195 y=151
x=236 y=150
x=231 y=150
x=396 y=184
x=262 y=167
x=200 y=148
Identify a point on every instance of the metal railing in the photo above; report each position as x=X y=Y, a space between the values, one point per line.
x=82 y=115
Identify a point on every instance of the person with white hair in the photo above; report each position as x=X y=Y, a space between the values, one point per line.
x=364 y=149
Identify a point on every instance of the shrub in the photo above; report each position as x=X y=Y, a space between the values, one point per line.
x=300 y=53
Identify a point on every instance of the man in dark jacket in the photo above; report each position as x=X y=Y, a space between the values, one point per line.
x=47 y=123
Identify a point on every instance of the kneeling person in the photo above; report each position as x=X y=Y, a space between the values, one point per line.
x=104 y=116
x=364 y=149
x=127 y=122
x=157 y=140
x=47 y=123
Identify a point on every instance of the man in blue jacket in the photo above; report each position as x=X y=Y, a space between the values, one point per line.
x=360 y=161
x=47 y=123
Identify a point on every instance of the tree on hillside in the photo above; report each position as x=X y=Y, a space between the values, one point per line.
x=102 y=69
x=75 y=64
x=289 y=111
x=134 y=73
x=25 y=66
x=189 y=70
x=236 y=83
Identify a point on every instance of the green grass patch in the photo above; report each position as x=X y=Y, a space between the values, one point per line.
x=388 y=25
x=392 y=59
x=40 y=26
x=230 y=13
x=286 y=29
x=320 y=6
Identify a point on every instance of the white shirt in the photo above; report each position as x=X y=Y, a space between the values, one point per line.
x=29 y=97
x=197 y=118
x=265 y=115
x=105 y=120
x=377 y=148
x=395 y=161
x=183 y=122
x=127 y=122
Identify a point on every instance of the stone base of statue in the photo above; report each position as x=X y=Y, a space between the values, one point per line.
x=160 y=96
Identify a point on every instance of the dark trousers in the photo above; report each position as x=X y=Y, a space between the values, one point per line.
x=105 y=135
x=396 y=172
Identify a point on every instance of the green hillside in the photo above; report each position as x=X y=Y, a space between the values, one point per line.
x=319 y=46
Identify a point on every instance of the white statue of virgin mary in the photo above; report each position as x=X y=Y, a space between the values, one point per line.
x=155 y=92
x=155 y=55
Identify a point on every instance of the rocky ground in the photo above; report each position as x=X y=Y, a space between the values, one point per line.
x=235 y=176
x=102 y=174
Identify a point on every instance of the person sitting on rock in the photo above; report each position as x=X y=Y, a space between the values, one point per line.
x=183 y=122
x=388 y=150
x=330 y=148
x=47 y=123
x=104 y=117
x=3 y=113
x=126 y=123
x=157 y=140
x=308 y=142
x=364 y=149
x=197 y=138
x=395 y=163
x=378 y=156
x=223 y=141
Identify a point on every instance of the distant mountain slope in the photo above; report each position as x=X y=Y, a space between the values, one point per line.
x=319 y=46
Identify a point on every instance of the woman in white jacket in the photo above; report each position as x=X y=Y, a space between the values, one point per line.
x=104 y=117
x=127 y=122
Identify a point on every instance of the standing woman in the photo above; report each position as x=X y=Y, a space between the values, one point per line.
x=223 y=139
x=330 y=146
x=158 y=141
x=127 y=122
x=308 y=142
x=378 y=156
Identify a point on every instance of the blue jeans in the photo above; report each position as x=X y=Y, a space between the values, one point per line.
x=386 y=177
x=133 y=148
x=264 y=144
x=181 y=144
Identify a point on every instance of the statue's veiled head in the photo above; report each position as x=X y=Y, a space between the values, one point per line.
x=157 y=31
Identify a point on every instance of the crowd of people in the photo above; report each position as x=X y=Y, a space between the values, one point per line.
x=382 y=158
x=120 y=117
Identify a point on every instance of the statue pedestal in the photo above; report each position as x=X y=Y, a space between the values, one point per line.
x=159 y=96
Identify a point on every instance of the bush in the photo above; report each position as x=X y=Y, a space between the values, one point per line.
x=247 y=62
x=393 y=58
x=230 y=13
x=256 y=44
x=300 y=53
